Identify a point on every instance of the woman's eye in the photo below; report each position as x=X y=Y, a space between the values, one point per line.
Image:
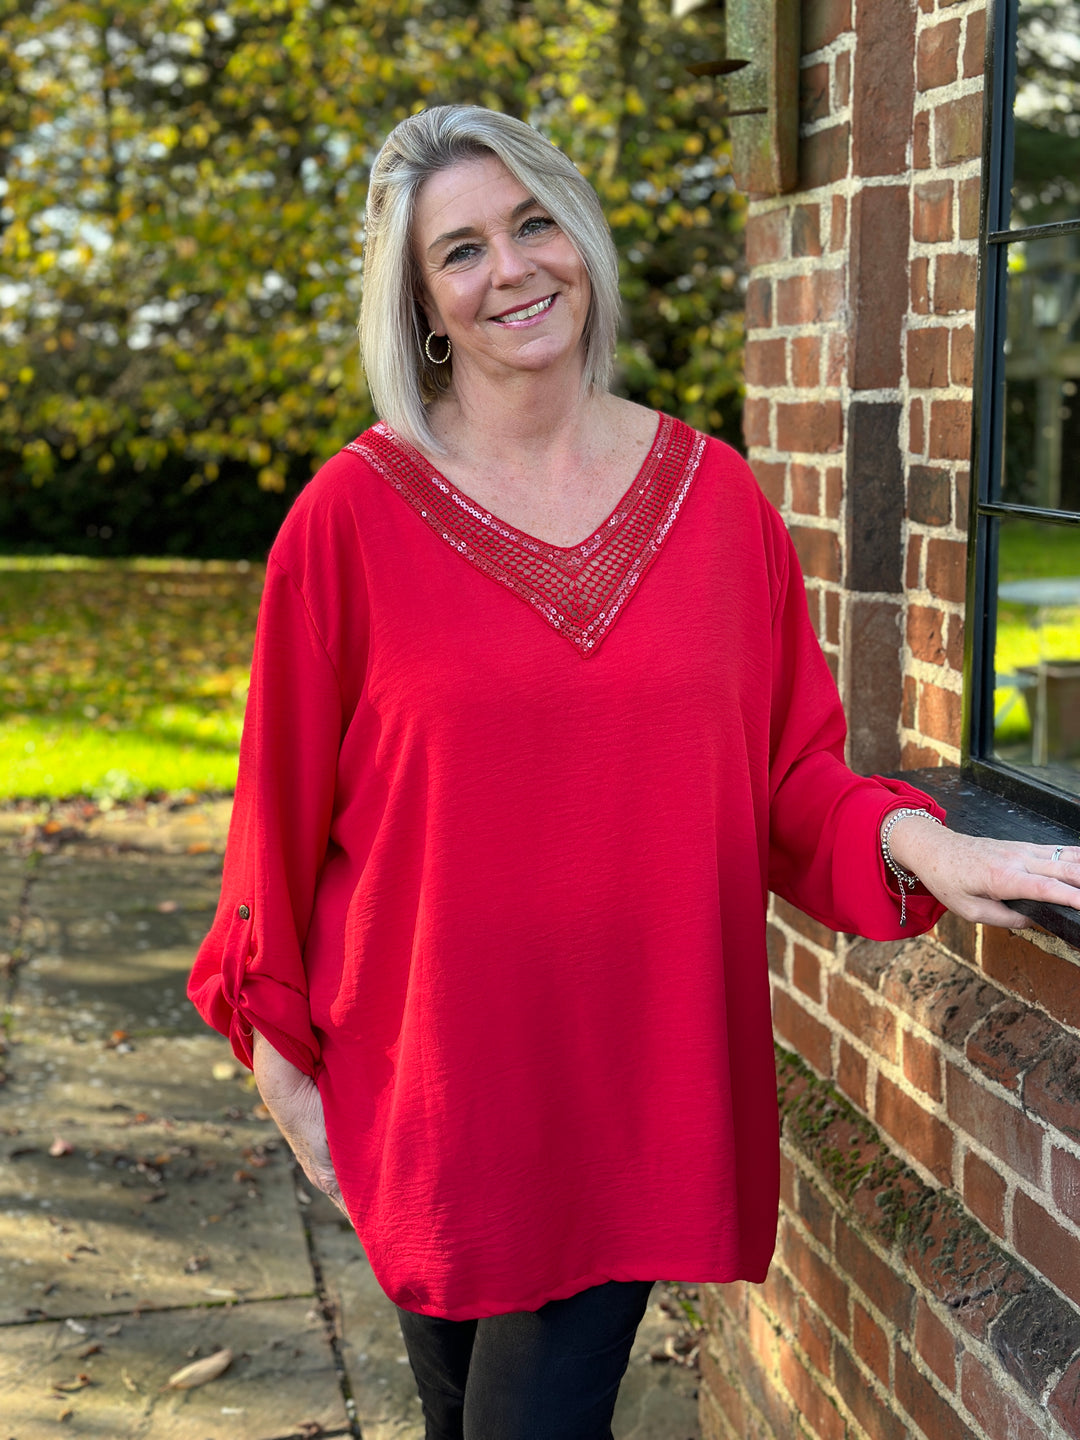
x=460 y=252
x=537 y=224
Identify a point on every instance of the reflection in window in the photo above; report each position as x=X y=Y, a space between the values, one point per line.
x=1046 y=131
x=1041 y=454
x=1037 y=650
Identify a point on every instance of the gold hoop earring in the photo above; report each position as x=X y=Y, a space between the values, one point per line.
x=427 y=348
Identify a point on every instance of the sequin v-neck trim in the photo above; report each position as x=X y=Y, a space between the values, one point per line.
x=580 y=590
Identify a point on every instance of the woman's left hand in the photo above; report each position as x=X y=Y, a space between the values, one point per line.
x=977 y=877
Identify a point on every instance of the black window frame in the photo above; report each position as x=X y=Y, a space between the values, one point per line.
x=977 y=754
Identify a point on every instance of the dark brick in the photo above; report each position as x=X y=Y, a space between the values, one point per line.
x=883 y=88
x=946 y=998
x=823 y=157
x=1065 y=1401
x=873 y=550
x=813 y=93
x=1035 y=1336
x=874 y=686
x=1052 y=1088
x=929 y=495
x=806 y=230
x=1009 y=1042
x=880 y=228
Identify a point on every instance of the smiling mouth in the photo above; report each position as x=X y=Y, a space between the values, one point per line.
x=527 y=312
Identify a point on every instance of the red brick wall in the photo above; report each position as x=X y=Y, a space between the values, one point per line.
x=927 y=1273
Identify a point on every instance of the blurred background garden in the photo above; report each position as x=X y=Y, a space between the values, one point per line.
x=182 y=186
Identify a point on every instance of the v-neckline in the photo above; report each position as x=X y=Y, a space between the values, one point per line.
x=578 y=589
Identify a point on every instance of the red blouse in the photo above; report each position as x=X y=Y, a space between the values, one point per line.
x=505 y=824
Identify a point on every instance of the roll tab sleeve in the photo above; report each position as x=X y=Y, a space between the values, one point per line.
x=824 y=820
x=249 y=973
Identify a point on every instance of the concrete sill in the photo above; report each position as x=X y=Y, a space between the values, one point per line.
x=973 y=810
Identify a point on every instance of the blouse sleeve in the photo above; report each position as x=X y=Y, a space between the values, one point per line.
x=249 y=973
x=825 y=853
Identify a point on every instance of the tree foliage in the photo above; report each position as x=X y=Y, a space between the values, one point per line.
x=182 y=219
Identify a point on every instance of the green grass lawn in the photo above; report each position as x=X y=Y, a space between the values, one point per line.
x=120 y=678
x=1029 y=552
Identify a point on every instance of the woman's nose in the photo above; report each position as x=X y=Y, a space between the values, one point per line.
x=510 y=264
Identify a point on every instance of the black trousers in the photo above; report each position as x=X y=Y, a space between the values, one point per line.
x=549 y=1374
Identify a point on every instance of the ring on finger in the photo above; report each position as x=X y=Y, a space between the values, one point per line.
x=1057 y=853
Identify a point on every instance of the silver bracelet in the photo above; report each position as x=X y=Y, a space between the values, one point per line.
x=904 y=879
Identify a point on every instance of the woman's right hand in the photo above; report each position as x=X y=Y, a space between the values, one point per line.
x=294 y=1102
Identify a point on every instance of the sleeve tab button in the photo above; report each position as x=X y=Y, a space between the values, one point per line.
x=244 y=912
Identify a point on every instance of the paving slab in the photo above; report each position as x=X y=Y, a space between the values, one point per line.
x=145 y=1215
x=105 y=1378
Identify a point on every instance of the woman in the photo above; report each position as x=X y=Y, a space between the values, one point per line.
x=537 y=718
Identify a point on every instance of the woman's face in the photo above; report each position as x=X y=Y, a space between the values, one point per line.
x=500 y=278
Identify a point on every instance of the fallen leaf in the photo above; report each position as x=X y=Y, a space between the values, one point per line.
x=225 y=1070
x=60 y=1146
x=70 y=1387
x=200 y=1372
x=199 y=847
x=84 y=1354
x=166 y=907
x=116 y=1038
x=129 y=1382
x=194 y=1263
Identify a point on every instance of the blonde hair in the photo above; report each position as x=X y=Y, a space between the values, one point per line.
x=403 y=382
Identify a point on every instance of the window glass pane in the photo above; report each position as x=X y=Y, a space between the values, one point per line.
x=1037 y=650
x=1041 y=450
x=1046 y=135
